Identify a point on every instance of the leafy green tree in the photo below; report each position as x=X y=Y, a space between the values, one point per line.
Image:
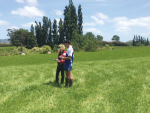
x=90 y=41
x=54 y=31
x=78 y=43
x=115 y=38
x=99 y=38
x=18 y=37
x=61 y=31
x=80 y=20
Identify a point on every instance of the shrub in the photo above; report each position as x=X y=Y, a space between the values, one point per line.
x=107 y=46
x=55 y=49
x=22 y=49
x=36 y=50
x=14 y=52
x=46 y=49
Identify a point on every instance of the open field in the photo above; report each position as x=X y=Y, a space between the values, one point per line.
x=116 y=81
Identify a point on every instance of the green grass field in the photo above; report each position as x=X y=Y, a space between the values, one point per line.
x=109 y=81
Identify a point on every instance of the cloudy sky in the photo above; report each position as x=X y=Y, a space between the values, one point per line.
x=124 y=18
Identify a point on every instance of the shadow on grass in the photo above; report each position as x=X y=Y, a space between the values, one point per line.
x=54 y=84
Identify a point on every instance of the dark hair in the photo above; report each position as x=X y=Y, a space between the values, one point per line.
x=67 y=41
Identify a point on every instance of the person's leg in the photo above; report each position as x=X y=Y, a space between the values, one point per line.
x=70 y=78
x=67 y=79
x=57 y=74
x=62 y=74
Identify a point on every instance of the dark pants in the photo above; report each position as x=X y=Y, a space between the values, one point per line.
x=60 y=68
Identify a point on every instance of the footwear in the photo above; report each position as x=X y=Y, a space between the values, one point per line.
x=71 y=82
x=66 y=83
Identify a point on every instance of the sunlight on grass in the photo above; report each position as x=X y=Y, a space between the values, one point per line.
x=114 y=85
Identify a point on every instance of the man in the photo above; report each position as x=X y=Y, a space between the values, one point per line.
x=68 y=63
x=60 y=66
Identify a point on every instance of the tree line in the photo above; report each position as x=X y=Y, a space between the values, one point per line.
x=50 y=33
x=140 y=41
x=53 y=33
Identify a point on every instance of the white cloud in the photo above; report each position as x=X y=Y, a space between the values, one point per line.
x=102 y=16
x=13 y=27
x=0 y=14
x=28 y=24
x=32 y=2
x=20 y=1
x=124 y=24
x=89 y=24
x=98 y=21
x=28 y=11
x=29 y=2
x=3 y=22
x=58 y=12
x=93 y=30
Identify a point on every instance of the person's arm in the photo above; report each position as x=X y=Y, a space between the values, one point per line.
x=63 y=55
x=69 y=55
x=66 y=58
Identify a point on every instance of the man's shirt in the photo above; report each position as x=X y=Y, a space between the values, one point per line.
x=70 y=52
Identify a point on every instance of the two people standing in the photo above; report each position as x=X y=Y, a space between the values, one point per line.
x=67 y=58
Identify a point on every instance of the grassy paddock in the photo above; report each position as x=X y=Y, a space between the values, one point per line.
x=105 y=81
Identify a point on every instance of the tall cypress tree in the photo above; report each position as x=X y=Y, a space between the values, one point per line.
x=45 y=30
x=67 y=22
x=147 y=42
x=32 y=39
x=54 y=31
x=38 y=30
x=73 y=21
x=134 y=41
x=49 y=40
x=61 y=31
x=80 y=20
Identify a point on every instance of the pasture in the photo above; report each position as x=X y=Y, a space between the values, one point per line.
x=108 y=81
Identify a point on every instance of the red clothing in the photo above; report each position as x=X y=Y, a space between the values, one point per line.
x=62 y=54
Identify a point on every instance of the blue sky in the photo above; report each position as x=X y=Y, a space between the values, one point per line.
x=124 y=18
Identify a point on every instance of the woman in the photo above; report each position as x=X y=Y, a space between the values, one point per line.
x=60 y=66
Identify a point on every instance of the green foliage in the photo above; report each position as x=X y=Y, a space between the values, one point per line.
x=140 y=41
x=139 y=44
x=38 y=32
x=78 y=43
x=18 y=37
x=61 y=32
x=90 y=42
x=80 y=20
x=115 y=38
x=107 y=46
x=45 y=27
x=99 y=38
x=46 y=49
x=55 y=49
x=21 y=49
x=54 y=31
x=36 y=50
